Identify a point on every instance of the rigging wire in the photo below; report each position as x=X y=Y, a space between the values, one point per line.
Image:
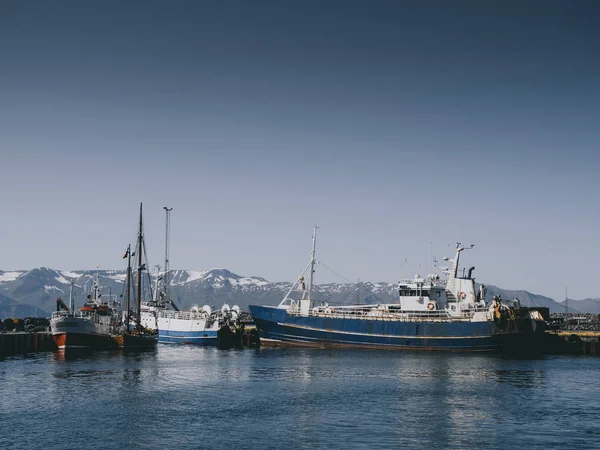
x=148 y=274
x=335 y=273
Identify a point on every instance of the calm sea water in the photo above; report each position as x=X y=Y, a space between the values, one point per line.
x=183 y=397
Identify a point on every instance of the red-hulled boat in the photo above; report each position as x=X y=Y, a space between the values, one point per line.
x=91 y=326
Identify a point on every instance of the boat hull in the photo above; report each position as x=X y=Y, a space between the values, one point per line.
x=135 y=341
x=82 y=332
x=277 y=327
x=174 y=336
x=193 y=331
x=229 y=338
x=73 y=340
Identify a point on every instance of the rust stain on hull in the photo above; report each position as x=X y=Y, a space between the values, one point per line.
x=295 y=344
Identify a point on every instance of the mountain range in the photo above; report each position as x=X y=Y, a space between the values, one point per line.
x=34 y=292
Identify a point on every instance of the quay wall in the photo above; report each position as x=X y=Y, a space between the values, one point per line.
x=19 y=342
x=572 y=343
x=554 y=343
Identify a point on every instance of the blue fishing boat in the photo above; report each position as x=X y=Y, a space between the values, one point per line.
x=430 y=314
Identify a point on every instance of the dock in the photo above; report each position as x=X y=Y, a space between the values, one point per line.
x=21 y=342
x=572 y=343
x=554 y=342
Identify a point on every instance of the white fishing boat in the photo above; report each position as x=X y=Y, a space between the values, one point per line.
x=199 y=325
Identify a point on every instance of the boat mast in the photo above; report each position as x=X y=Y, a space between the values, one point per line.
x=156 y=293
x=128 y=296
x=139 y=274
x=453 y=272
x=96 y=285
x=312 y=262
x=167 y=238
x=71 y=306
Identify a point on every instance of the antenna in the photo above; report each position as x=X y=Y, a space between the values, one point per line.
x=312 y=262
x=71 y=303
x=167 y=237
x=434 y=260
x=97 y=284
x=157 y=267
x=431 y=255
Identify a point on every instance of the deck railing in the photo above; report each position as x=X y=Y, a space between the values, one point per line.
x=77 y=313
x=89 y=315
x=373 y=313
x=184 y=315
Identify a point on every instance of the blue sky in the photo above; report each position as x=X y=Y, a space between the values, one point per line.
x=396 y=126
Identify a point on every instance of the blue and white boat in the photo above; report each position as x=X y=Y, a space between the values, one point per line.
x=430 y=315
x=199 y=325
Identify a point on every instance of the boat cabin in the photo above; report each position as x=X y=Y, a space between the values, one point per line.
x=422 y=294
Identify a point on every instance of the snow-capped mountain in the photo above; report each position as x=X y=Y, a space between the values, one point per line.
x=40 y=287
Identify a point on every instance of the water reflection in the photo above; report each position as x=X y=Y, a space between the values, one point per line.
x=311 y=398
x=131 y=377
x=82 y=354
x=83 y=373
x=520 y=377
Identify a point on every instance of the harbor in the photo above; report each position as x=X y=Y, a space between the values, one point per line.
x=584 y=343
x=300 y=225
x=296 y=398
x=443 y=312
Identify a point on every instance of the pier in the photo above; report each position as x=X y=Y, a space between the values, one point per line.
x=14 y=343
x=572 y=343
x=554 y=342
x=21 y=342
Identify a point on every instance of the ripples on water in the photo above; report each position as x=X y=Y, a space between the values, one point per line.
x=184 y=397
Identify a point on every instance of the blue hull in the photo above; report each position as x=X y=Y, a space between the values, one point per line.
x=188 y=337
x=276 y=327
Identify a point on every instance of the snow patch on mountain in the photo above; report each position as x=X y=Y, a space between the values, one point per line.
x=218 y=278
x=118 y=277
x=9 y=276
x=68 y=274
x=49 y=289
x=251 y=281
x=194 y=275
x=62 y=279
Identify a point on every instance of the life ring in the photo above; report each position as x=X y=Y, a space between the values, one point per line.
x=462 y=295
x=430 y=306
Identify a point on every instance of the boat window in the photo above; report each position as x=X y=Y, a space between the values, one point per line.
x=415 y=293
